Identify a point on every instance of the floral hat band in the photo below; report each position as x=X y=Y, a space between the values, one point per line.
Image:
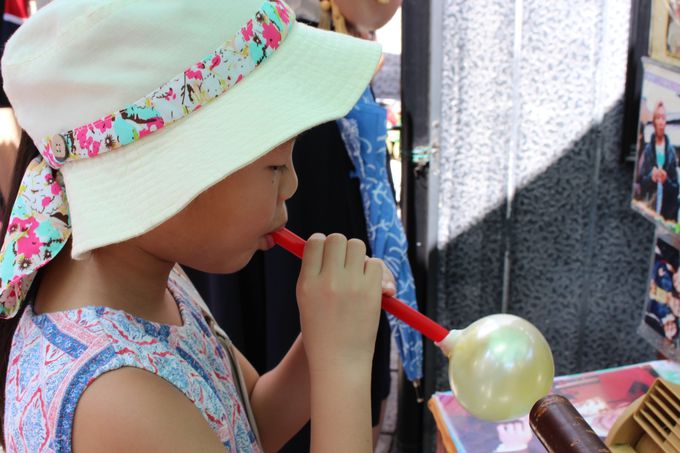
x=39 y=224
x=182 y=95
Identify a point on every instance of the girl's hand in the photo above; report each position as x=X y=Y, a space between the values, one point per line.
x=339 y=292
x=389 y=284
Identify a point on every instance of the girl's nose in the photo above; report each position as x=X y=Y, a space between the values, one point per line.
x=290 y=182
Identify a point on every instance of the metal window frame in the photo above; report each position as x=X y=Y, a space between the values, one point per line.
x=421 y=112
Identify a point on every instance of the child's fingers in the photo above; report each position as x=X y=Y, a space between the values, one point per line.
x=356 y=254
x=313 y=255
x=389 y=285
x=334 y=252
x=389 y=288
x=373 y=269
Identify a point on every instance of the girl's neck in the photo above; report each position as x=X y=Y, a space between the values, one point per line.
x=120 y=276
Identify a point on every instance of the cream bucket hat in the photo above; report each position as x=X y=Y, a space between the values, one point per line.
x=76 y=61
x=139 y=106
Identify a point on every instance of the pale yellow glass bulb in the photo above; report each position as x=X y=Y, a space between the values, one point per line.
x=499 y=366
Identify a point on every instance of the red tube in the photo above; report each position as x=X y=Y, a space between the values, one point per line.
x=435 y=332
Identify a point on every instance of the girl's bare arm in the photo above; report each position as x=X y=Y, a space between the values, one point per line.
x=130 y=409
x=280 y=398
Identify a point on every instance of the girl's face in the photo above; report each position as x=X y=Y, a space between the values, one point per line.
x=222 y=228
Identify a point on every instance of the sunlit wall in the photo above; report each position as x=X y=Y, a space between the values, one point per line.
x=531 y=112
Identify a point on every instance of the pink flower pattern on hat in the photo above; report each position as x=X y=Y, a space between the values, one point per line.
x=39 y=223
x=202 y=82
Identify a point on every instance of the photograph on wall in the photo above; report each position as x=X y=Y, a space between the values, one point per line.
x=665 y=31
x=661 y=313
x=655 y=182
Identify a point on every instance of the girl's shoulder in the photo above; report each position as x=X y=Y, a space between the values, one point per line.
x=54 y=357
x=88 y=331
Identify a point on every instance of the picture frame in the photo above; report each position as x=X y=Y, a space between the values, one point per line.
x=660 y=325
x=656 y=179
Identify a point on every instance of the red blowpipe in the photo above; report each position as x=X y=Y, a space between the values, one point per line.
x=296 y=245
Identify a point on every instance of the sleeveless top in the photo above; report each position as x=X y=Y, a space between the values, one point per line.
x=55 y=356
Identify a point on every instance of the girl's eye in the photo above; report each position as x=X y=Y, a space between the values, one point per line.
x=277 y=167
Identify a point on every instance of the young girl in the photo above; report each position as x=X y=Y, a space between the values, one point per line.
x=339 y=189
x=111 y=349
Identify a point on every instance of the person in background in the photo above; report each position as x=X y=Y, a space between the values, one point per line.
x=658 y=169
x=673 y=38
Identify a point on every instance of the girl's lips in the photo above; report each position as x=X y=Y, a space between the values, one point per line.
x=270 y=241
x=269 y=237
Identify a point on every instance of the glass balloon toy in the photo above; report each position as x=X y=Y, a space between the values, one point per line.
x=499 y=366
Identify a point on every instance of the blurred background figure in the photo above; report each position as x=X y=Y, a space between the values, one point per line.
x=658 y=168
x=673 y=40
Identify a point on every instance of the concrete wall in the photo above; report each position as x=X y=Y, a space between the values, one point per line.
x=531 y=112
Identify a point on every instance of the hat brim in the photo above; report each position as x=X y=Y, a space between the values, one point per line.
x=315 y=76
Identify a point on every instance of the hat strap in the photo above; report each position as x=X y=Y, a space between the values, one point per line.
x=37 y=230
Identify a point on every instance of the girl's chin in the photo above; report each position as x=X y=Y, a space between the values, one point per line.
x=266 y=243
x=238 y=260
x=236 y=265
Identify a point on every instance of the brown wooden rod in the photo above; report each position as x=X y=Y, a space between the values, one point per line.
x=560 y=427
